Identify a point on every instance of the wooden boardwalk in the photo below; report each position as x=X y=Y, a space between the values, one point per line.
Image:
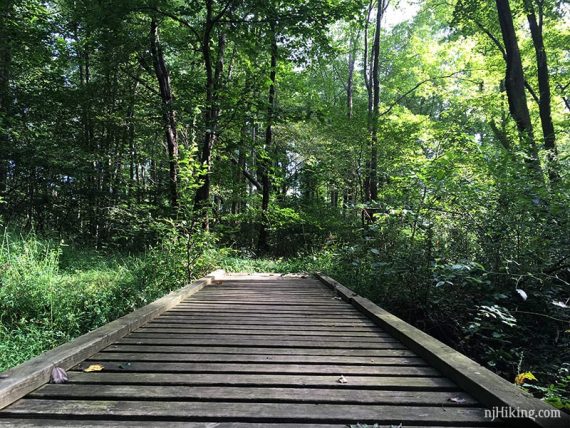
x=254 y=351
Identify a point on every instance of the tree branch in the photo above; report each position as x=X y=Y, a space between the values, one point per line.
x=495 y=41
x=175 y=18
x=140 y=81
x=500 y=135
x=222 y=12
x=247 y=174
x=405 y=94
x=531 y=92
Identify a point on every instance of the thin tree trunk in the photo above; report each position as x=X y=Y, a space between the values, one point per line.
x=168 y=113
x=373 y=174
x=203 y=192
x=515 y=86
x=239 y=184
x=350 y=79
x=211 y=113
x=368 y=84
x=266 y=163
x=5 y=101
x=544 y=104
x=93 y=180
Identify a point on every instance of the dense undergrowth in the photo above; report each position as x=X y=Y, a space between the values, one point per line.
x=51 y=292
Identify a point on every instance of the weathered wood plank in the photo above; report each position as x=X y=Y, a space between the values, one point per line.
x=399 y=383
x=269 y=314
x=277 y=304
x=265 y=358
x=251 y=412
x=232 y=319
x=121 y=423
x=284 y=313
x=311 y=287
x=307 y=311
x=267 y=368
x=269 y=289
x=20 y=380
x=260 y=342
x=308 y=282
x=148 y=328
x=232 y=393
x=490 y=389
x=222 y=337
x=266 y=295
x=263 y=299
x=320 y=291
x=333 y=329
x=277 y=308
x=297 y=307
x=253 y=350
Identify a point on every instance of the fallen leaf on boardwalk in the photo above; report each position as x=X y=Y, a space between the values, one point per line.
x=521 y=377
x=94 y=368
x=58 y=375
x=342 y=379
x=456 y=400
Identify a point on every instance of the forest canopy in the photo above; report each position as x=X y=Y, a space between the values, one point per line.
x=419 y=151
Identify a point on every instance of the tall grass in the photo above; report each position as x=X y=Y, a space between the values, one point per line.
x=51 y=292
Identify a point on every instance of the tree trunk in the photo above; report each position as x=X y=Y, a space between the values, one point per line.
x=5 y=65
x=544 y=104
x=240 y=172
x=211 y=113
x=368 y=83
x=203 y=192
x=168 y=113
x=515 y=86
x=373 y=174
x=350 y=79
x=334 y=198
x=266 y=162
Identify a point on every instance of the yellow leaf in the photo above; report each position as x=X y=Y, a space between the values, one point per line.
x=94 y=368
x=521 y=377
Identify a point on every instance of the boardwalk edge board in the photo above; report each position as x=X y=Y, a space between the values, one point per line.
x=488 y=388
x=22 y=379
